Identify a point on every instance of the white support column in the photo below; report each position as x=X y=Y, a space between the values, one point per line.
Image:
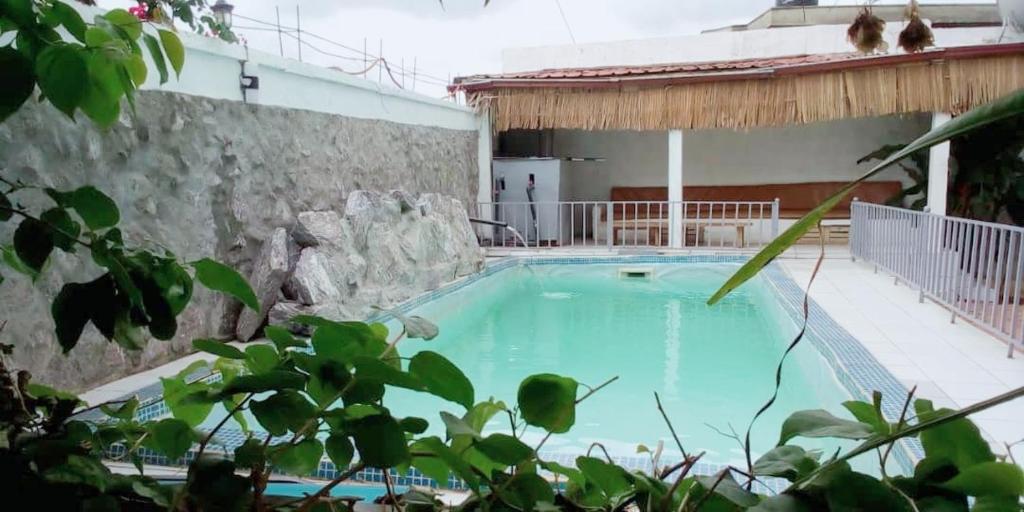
x=485 y=185
x=938 y=170
x=675 y=187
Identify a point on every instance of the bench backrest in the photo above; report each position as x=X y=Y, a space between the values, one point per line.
x=795 y=199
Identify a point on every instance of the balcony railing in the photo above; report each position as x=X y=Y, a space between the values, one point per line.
x=973 y=268
x=629 y=224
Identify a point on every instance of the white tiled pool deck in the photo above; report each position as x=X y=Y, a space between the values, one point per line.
x=955 y=365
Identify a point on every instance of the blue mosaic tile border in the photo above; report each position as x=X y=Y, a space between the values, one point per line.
x=854 y=366
x=856 y=369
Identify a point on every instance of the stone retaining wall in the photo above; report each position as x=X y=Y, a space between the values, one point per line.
x=204 y=177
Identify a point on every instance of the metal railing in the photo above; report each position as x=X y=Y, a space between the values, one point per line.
x=973 y=268
x=630 y=224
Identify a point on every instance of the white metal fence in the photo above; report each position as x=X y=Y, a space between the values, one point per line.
x=973 y=268
x=629 y=224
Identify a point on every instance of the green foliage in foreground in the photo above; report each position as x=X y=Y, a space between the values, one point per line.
x=325 y=396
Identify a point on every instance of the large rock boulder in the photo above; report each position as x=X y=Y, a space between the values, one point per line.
x=269 y=272
x=311 y=283
x=386 y=248
x=315 y=228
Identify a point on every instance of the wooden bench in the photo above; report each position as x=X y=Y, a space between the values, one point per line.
x=795 y=201
x=693 y=229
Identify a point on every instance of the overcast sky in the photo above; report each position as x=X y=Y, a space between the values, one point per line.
x=465 y=37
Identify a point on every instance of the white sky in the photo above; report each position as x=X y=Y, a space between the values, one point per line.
x=467 y=38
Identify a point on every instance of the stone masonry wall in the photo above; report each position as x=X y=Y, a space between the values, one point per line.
x=203 y=177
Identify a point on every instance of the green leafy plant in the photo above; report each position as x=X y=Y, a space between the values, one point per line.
x=98 y=65
x=325 y=395
x=917 y=172
x=1003 y=108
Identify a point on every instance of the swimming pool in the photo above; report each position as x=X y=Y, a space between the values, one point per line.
x=712 y=366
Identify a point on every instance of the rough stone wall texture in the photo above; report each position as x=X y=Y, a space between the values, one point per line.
x=203 y=177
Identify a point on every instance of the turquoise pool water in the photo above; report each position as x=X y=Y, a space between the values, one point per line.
x=712 y=366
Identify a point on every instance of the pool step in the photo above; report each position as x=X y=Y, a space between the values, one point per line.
x=636 y=273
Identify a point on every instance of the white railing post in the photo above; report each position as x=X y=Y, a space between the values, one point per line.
x=609 y=216
x=775 y=218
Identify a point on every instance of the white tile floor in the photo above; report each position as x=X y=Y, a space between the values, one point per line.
x=954 y=365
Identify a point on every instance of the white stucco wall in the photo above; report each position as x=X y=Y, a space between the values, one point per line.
x=213 y=68
x=713 y=46
x=816 y=152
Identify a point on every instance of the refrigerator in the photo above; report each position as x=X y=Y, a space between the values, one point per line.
x=534 y=211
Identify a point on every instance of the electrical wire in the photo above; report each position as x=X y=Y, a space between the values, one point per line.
x=362 y=56
x=565 y=21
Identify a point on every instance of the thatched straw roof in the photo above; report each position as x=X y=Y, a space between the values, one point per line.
x=749 y=93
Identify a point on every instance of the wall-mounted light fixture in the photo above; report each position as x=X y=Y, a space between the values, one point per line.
x=222 y=12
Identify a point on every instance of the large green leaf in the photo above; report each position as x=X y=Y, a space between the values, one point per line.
x=261 y=358
x=80 y=470
x=213 y=485
x=176 y=394
x=1010 y=105
x=726 y=487
x=611 y=479
x=789 y=462
x=126 y=22
x=62 y=70
x=373 y=369
x=174 y=49
x=339 y=449
x=548 y=401
x=283 y=411
x=442 y=378
x=298 y=459
x=282 y=338
x=124 y=411
x=504 y=449
x=856 y=491
x=158 y=56
x=102 y=100
x=97 y=209
x=782 y=503
x=989 y=479
x=16 y=82
x=172 y=437
x=62 y=228
x=450 y=458
x=33 y=243
x=821 y=423
x=959 y=440
x=251 y=454
x=527 y=492
x=869 y=413
x=380 y=441
x=343 y=341
x=71 y=20
x=275 y=380
x=218 y=348
x=457 y=427
x=222 y=278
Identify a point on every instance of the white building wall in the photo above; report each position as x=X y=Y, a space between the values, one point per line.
x=816 y=152
x=213 y=69
x=713 y=46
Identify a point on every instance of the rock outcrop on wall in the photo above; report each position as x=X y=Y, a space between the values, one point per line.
x=215 y=178
x=386 y=248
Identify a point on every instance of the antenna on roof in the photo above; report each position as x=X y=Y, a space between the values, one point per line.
x=1012 y=12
